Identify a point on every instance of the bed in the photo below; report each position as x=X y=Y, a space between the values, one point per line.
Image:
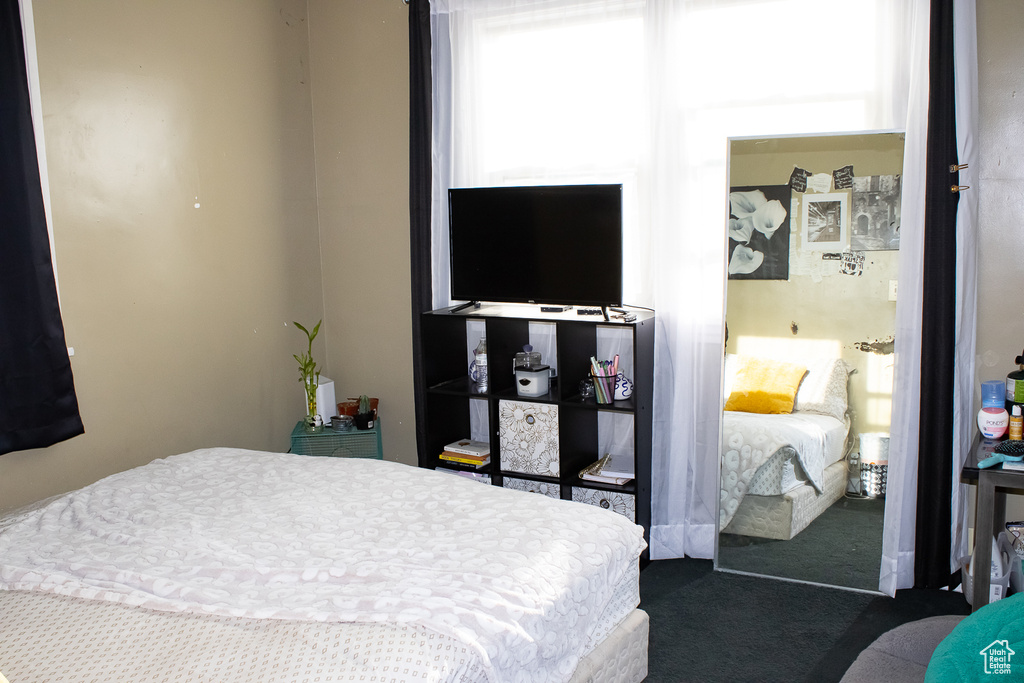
x=235 y=565
x=784 y=444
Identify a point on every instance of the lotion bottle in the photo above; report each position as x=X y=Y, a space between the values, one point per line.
x=1016 y=424
x=993 y=418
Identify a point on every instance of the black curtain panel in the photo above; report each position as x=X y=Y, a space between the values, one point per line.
x=935 y=455
x=38 y=406
x=420 y=179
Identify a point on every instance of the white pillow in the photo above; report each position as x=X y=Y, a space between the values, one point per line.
x=824 y=389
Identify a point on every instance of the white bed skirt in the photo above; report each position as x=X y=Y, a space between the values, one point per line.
x=50 y=637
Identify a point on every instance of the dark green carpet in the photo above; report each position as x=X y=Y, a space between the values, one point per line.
x=711 y=626
x=841 y=547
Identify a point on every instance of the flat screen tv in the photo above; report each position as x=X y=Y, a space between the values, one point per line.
x=550 y=244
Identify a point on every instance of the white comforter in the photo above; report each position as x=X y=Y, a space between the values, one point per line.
x=750 y=439
x=520 y=578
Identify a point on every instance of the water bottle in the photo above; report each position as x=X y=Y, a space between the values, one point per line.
x=481 y=364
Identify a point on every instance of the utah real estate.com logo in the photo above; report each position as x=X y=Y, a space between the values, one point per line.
x=997 y=657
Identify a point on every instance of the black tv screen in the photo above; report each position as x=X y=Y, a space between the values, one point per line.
x=551 y=244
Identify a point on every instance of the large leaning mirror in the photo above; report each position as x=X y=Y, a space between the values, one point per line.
x=813 y=231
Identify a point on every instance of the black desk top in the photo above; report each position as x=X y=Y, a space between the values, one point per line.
x=980 y=449
x=984 y=448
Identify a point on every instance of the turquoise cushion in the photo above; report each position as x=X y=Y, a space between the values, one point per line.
x=986 y=646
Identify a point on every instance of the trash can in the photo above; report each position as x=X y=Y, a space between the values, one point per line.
x=874 y=463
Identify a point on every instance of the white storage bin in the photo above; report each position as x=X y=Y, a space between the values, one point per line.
x=1012 y=580
x=997 y=588
x=542 y=487
x=528 y=436
x=622 y=503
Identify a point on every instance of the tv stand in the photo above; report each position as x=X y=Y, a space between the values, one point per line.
x=452 y=401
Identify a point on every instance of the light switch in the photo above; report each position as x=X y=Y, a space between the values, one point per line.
x=892 y=290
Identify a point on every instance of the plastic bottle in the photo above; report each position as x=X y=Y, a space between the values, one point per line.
x=1016 y=424
x=997 y=572
x=481 y=364
x=997 y=563
x=993 y=418
x=1015 y=384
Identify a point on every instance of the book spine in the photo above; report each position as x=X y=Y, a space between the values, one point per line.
x=465 y=460
x=475 y=452
x=617 y=481
x=614 y=474
x=474 y=457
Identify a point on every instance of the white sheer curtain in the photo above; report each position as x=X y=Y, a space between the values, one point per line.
x=646 y=94
x=897 y=570
x=539 y=92
x=899 y=534
x=966 y=67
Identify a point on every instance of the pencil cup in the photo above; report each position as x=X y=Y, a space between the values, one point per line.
x=604 y=387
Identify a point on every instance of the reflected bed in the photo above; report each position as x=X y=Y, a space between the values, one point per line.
x=780 y=470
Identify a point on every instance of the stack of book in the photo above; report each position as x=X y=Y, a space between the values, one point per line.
x=467 y=452
x=467 y=474
x=611 y=469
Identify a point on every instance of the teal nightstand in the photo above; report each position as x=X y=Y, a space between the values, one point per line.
x=357 y=443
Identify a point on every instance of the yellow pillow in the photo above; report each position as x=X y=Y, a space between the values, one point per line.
x=765 y=386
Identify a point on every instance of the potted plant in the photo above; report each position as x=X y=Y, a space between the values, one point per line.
x=310 y=378
x=364 y=418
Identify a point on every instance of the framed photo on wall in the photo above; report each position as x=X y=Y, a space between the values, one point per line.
x=759 y=232
x=875 y=220
x=826 y=221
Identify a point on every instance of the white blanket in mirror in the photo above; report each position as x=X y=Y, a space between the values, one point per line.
x=750 y=439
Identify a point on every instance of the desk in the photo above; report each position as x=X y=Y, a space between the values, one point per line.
x=990 y=513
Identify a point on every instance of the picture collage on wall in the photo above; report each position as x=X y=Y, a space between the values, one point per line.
x=840 y=213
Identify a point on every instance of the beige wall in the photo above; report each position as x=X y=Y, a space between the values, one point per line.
x=998 y=181
x=359 y=58
x=180 y=317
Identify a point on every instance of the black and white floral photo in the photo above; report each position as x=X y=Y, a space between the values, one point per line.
x=759 y=232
